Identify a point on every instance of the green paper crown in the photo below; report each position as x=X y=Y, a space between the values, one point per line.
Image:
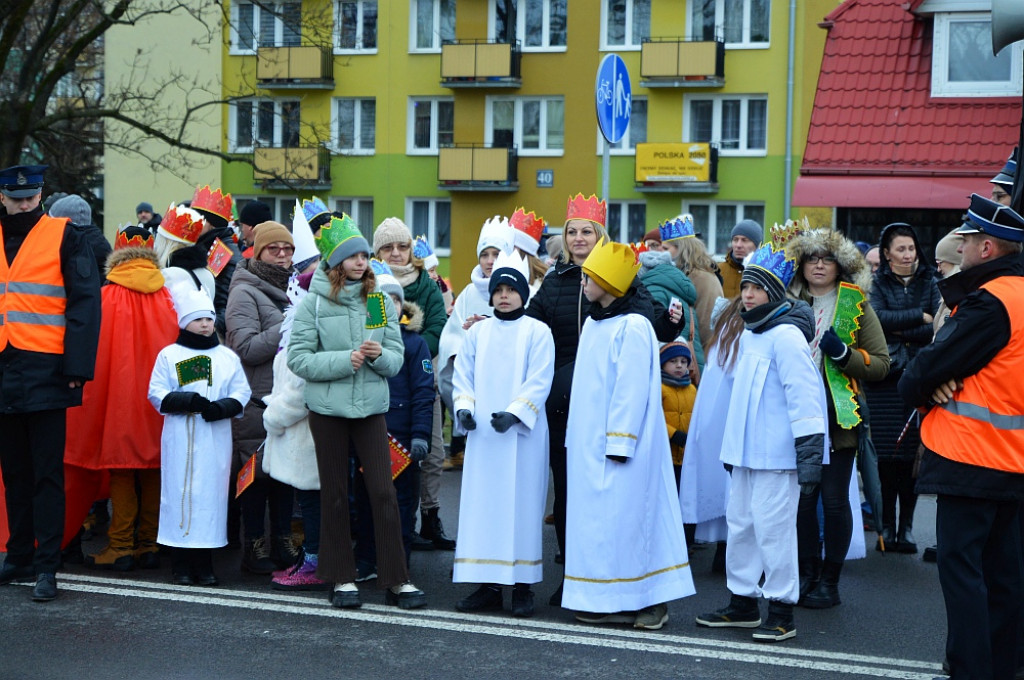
x=334 y=234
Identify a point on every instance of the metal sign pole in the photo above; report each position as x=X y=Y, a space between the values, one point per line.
x=605 y=164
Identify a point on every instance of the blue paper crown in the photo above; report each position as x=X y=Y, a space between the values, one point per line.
x=421 y=249
x=773 y=261
x=677 y=227
x=380 y=267
x=313 y=207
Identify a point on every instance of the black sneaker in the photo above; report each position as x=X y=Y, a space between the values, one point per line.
x=487 y=597
x=778 y=626
x=742 y=612
x=522 y=601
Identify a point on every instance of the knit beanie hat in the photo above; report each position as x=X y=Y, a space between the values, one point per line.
x=148 y=207
x=74 y=208
x=946 y=249
x=192 y=304
x=391 y=230
x=267 y=233
x=653 y=235
x=255 y=212
x=671 y=350
x=511 y=270
x=750 y=229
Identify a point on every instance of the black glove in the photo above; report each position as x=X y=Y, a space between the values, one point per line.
x=183 y=402
x=419 y=450
x=221 y=409
x=678 y=439
x=502 y=421
x=617 y=459
x=809 y=451
x=728 y=468
x=466 y=420
x=832 y=347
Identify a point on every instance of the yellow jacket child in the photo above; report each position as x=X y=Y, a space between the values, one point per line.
x=677 y=395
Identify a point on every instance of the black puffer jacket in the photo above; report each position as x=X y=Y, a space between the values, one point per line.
x=34 y=381
x=223 y=282
x=901 y=308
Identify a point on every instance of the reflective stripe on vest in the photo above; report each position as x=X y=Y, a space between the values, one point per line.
x=32 y=297
x=984 y=423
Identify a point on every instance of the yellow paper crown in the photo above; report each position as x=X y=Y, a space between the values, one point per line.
x=613 y=265
x=781 y=234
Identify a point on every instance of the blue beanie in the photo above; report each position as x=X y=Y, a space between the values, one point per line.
x=672 y=350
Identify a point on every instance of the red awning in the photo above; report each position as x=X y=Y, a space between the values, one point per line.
x=887 y=191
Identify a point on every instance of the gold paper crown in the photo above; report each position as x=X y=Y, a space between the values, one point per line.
x=212 y=201
x=528 y=223
x=136 y=241
x=781 y=234
x=613 y=266
x=181 y=224
x=590 y=209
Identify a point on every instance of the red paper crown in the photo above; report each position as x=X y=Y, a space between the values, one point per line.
x=638 y=248
x=528 y=223
x=136 y=241
x=212 y=201
x=182 y=224
x=591 y=209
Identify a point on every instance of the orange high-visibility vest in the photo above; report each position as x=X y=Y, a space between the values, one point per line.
x=984 y=422
x=32 y=299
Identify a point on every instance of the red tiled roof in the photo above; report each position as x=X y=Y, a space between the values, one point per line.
x=873 y=113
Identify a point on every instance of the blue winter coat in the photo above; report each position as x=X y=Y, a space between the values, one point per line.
x=411 y=413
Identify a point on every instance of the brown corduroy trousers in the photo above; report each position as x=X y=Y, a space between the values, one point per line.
x=335 y=439
x=134 y=500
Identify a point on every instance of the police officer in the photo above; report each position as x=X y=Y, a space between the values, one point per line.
x=974 y=439
x=49 y=330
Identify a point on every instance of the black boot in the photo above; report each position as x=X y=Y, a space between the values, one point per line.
x=256 y=558
x=420 y=543
x=810 y=575
x=905 y=541
x=827 y=593
x=181 y=567
x=779 y=625
x=432 y=530
x=888 y=538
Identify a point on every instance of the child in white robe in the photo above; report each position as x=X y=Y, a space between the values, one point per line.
x=774 y=440
x=625 y=551
x=504 y=369
x=198 y=384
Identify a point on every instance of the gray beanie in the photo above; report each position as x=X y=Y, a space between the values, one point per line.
x=750 y=229
x=74 y=208
x=148 y=207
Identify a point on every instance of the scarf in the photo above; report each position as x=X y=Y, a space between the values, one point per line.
x=276 y=275
x=824 y=311
x=481 y=283
x=406 y=274
x=675 y=382
x=196 y=341
x=762 y=314
x=510 y=316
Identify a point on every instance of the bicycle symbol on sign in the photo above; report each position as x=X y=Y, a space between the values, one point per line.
x=604 y=93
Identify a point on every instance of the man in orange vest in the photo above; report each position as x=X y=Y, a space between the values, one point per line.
x=49 y=331
x=974 y=439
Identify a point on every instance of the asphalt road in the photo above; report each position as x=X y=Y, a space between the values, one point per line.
x=138 y=626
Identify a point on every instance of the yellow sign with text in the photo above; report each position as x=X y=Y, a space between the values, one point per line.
x=673 y=162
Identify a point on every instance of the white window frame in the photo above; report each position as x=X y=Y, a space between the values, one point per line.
x=338 y=49
x=359 y=205
x=545 y=46
x=708 y=230
x=432 y=226
x=357 y=124
x=436 y=39
x=281 y=207
x=623 y=147
x=745 y=43
x=621 y=231
x=410 y=119
x=941 y=87
x=277 y=141
x=234 y=47
x=517 y=118
x=716 y=124
x=628 y=44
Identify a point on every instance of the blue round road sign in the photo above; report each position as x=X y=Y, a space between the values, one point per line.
x=613 y=97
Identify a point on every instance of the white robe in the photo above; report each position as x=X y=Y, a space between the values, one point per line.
x=504 y=366
x=474 y=299
x=194 y=485
x=625 y=548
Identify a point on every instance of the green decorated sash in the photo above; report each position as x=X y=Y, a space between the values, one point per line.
x=849 y=310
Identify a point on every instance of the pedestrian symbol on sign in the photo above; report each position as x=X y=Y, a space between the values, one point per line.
x=614 y=98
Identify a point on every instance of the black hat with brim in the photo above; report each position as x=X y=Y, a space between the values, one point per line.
x=22 y=181
x=995 y=219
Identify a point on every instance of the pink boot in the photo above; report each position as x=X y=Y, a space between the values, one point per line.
x=299 y=577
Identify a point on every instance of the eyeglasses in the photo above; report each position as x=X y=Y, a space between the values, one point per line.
x=815 y=259
x=277 y=250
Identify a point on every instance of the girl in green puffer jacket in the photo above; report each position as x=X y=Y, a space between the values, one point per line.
x=346 y=370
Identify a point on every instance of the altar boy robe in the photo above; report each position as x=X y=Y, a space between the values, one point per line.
x=625 y=548
x=503 y=366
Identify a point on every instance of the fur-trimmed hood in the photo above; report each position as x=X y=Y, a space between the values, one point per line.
x=412 y=312
x=853 y=268
x=135 y=268
x=122 y=255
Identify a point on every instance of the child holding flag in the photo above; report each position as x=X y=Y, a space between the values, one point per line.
x=346 y=343
x=197 y=384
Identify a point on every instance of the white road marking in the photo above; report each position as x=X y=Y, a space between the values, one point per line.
x=528 y=629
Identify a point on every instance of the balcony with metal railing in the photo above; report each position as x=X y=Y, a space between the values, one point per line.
x=676 y=62
x=477 y=167
x=303 y=167
x=480 y=63
x=295 y=68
